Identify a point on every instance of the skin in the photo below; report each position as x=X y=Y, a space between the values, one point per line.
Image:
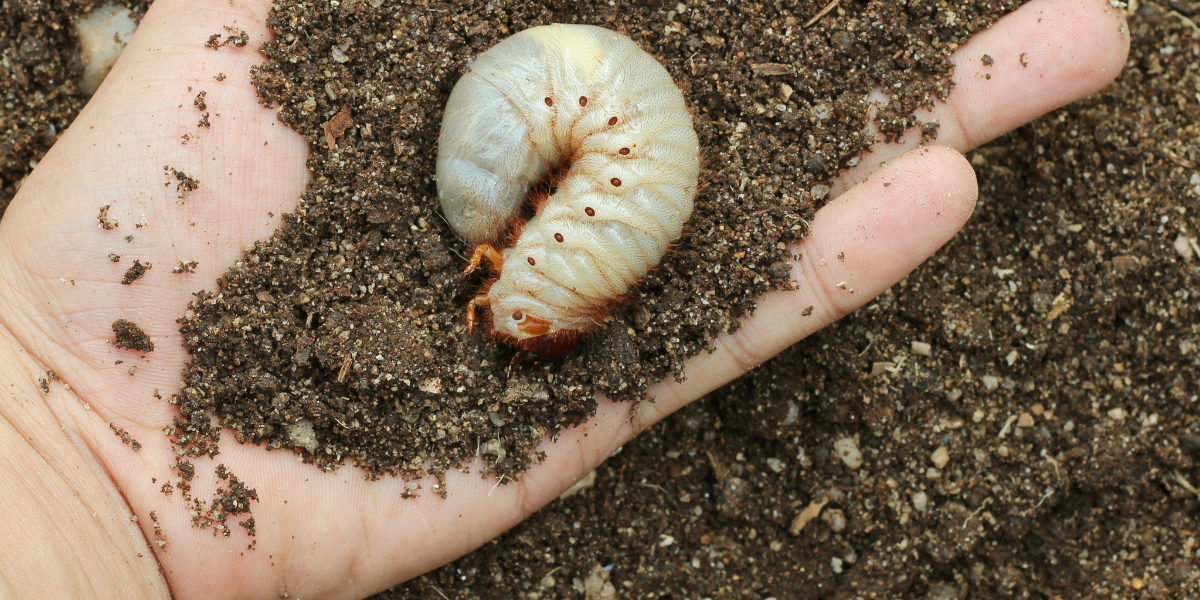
x=70 y=488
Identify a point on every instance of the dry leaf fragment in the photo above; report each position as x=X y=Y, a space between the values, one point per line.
x=335 y=127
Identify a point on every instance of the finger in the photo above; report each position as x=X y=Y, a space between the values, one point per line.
x=1046 y=54
x=860 y=244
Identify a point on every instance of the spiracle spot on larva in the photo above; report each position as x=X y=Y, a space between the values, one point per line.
x=599 y=123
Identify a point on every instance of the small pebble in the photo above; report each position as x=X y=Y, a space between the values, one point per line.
x=836 y=563
x=940 y=457
x=1183 y=247
x=835 y=519
x=1025 y=420
x=990 y=382
x=1117 y=414
x=922 y=348
x=920 y=501
x=775 y=464
x=847 y=449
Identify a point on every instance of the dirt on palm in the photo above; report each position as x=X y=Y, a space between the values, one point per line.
x=350 y=319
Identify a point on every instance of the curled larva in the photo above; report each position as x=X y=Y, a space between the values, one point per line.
x=586 y=111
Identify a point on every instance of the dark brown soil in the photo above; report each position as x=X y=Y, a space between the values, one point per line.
x=1063 y=327
x=135 y=272
x=1071 y=467
x=131 y=337
x=360 y=331
x=40 y=70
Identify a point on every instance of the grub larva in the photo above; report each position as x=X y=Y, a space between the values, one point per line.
x=586 y=111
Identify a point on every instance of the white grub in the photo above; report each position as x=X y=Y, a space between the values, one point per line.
x=102 y=36
x=588 y=105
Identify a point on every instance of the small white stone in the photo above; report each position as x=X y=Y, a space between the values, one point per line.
x=847 y=449
x=433 y=385
x=836 y=563
x=922 y=348
x=835 y=519
x=990 y=382
x=1183 y=247
x=302 y=434
x=940 y=457
x=920 y=501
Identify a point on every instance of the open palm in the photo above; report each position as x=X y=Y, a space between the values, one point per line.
x=71 y=490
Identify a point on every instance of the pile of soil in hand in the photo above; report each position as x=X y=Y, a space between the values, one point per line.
x=1068 y=470
x=349 y=322
x=1043 y=445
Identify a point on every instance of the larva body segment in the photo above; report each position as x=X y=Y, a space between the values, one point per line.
x=589 y=105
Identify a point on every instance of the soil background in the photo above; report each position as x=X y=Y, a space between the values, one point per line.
x=1042 y=445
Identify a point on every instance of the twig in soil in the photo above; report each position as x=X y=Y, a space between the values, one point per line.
x=1184 y=483
x=824 y=11
x=982 y=506
x=659 y=488
x=1189 y=22
x=498 y=482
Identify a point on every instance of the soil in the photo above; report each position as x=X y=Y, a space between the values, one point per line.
x=131 y=337
x=349 y=321
x=1014 y=419
x=40 y=70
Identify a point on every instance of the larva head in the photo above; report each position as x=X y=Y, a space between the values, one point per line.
x=517 y=317
x=535 y=327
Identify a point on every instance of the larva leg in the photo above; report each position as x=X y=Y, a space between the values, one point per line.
x=483 y=251
x=478 y=300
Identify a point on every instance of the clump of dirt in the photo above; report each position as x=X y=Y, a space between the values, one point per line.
x=1044 y=445
x=106 y=223
x=131 y=337
x=351 y=316
x=125 y=437
x=185 y=266
x=135 y=272
x=186 y=184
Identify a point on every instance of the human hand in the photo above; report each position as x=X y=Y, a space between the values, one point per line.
x=338 y=535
